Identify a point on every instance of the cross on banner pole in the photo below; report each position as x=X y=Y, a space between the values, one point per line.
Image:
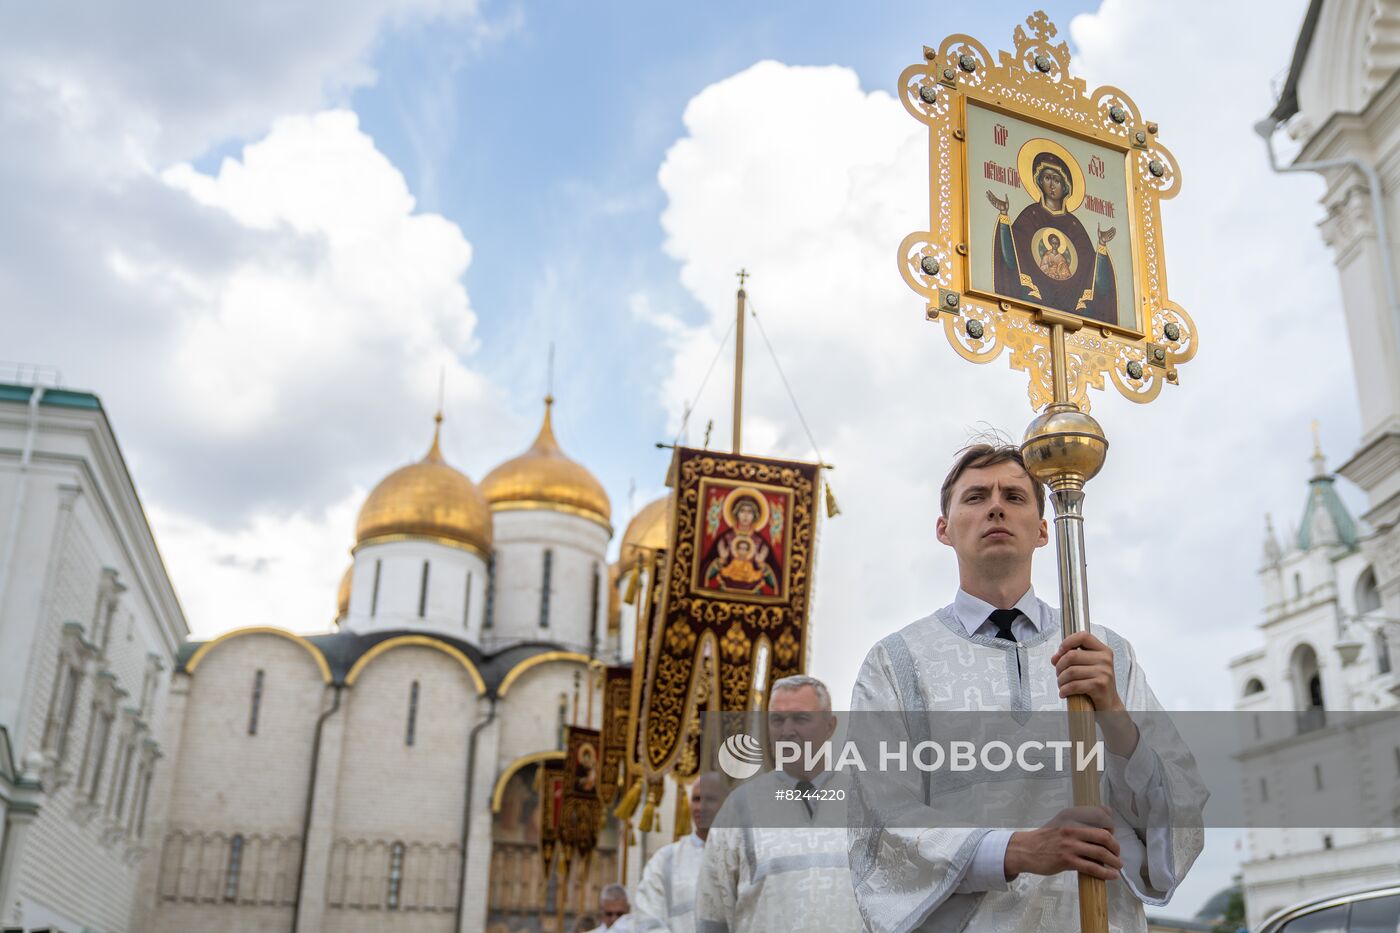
x=739 y=361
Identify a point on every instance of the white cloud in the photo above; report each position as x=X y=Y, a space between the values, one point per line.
x=267 y=336
x=291 y=352
x=168 y=79
x=811 y=182
x=284 y=567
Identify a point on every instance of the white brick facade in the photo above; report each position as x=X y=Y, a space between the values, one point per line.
x=1331 y=639
x=89 y=626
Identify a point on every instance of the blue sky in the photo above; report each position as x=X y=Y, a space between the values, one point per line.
x=544 y=144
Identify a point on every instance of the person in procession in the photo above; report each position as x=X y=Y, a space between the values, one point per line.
x=666 y=895
x=998 y=647
x=615 y=910
x=775 y=858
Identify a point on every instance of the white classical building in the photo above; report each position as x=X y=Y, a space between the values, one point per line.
x=381 y=777
x=1332 y=587
x=89 y=633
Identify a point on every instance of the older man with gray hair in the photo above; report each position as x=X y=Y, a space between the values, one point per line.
x=614 y=908
x=776 y=856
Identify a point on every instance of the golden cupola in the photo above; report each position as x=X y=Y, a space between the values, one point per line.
x=427 y=499
x=342 y=595
x=648 y=531
x=544 y=478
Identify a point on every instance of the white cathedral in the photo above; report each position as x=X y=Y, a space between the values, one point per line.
x=379 y=777
x=1331 y=616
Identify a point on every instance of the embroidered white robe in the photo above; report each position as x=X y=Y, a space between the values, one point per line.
x=761 y=878
x=666 y=896
x=908 y=867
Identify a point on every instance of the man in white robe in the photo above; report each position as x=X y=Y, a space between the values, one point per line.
x=999 y=648
x=615 y=910
x=666 y=895
x=780 y=865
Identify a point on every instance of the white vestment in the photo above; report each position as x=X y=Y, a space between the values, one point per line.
x=666 y=897
x=792 y=878
x=911 y=872
x=623 y=924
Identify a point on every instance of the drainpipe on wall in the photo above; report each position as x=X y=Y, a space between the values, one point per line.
x=311 y=799
x=467 y=806
x=1266 y=129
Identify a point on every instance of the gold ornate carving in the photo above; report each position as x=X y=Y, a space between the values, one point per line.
x=1033 y=83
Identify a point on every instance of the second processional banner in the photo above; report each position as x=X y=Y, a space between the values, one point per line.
x=581 y=809
x=738 y=578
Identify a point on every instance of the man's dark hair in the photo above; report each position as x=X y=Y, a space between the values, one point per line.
x=976 y=456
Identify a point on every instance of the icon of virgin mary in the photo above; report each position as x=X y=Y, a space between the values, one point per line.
x=742 y=557
x=1045 y=256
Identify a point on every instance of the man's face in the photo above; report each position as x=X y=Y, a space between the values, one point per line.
x=797 y=716
x=612 y=908
x=706 y=796
x=992 y=517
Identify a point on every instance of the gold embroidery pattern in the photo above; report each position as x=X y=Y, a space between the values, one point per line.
x=691 y=624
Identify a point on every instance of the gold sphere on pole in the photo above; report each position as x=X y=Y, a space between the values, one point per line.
x=1064 y=447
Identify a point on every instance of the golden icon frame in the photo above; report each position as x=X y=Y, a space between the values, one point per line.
x=1033 y=83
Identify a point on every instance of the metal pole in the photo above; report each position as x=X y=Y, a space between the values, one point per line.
x=739 y=368
x=1064 y=448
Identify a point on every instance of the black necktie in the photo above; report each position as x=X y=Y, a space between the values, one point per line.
x=1002 y=619
x=803 y=787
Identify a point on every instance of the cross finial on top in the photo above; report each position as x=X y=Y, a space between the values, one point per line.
x=742 y=274
x=1317 y=443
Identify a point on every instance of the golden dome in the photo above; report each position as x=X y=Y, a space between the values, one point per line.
x=649 y=530
x=543 y=478
x=427 y=499
x=342 y=596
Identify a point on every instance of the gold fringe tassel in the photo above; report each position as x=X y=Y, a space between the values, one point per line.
x=682 y=812
x=649 y=822
x=628 y=804
x=832 y=510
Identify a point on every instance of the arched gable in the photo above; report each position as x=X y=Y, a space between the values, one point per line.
x=547 y=657
x=203 y=651
x=524 y=761
x=423 y=641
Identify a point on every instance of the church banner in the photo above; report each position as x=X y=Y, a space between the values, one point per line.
x=617 y=713
x=737 y=579
x=579 y=817
x=551 y=809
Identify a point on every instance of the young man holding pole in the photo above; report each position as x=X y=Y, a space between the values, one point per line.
x=999 y=647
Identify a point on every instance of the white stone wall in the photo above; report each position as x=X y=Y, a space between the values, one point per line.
x=81 y=540
x=456 y=591
x=529 y=714
x=390 y=792
x=579 y=548
x=227 y=782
